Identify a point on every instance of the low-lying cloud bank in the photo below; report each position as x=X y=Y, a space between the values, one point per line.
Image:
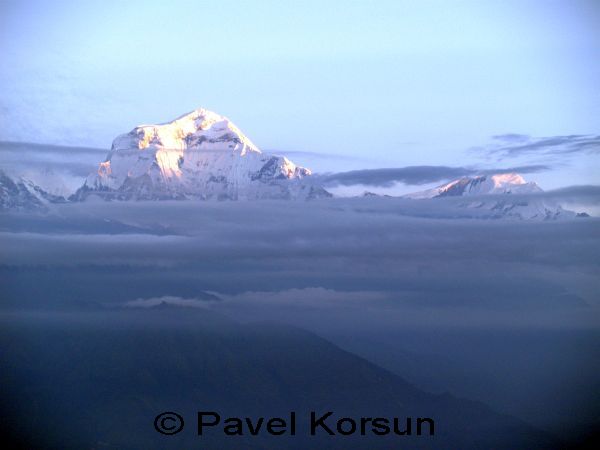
x=333 y=310
x=287 y=259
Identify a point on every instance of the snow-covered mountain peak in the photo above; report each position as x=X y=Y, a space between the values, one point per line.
x=502 y=195
x=502 y=179
x=196 y=129
x=198 y=155
x=503 y=183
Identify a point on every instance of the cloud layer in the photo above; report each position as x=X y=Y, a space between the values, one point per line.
x=292 y=259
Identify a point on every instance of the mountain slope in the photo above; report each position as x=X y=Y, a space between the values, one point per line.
x=98 y=380
x=198 y=155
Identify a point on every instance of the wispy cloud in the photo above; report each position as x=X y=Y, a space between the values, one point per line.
x=416 y=175
x=514 y=145
x=78 y=161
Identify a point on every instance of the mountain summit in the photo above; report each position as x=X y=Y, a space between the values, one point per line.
x=198 y=155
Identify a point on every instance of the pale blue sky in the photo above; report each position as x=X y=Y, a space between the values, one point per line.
x=385 y=83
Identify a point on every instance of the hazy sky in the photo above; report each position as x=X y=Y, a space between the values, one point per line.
x=385 y=84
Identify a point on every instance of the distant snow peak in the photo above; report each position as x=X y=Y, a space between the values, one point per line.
x=504 y=183
x=47 y=180
x=198 y=155
x=496 y=199
x=24 y=195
